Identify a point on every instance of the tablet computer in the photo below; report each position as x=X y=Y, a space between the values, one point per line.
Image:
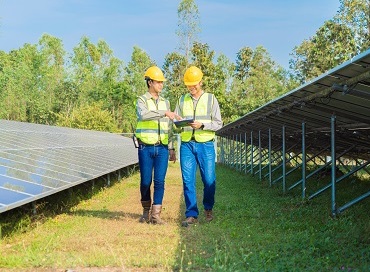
x=183 y=122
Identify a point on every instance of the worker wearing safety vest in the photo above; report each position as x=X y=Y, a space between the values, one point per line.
x=197 y=144
x=155 y=144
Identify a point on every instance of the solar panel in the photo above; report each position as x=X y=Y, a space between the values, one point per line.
x=39 y=160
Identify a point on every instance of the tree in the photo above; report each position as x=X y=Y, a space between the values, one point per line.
x=188 y=25
x=214 y=78
x=174 y=68
x=95 y=70
x=258 y=80
x=355 y=14
x=243 y=63
x=30 y=78
x=224 y=70
x=176 y=63
x=132 y=86
x=135 y=70
x=96 y=77
x=338 y=40
x=51 y=77
x=215 y=73
x=332 y=44
x=19 y=82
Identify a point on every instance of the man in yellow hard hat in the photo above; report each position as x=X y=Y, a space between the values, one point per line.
x=155 y=138
x=197 y=144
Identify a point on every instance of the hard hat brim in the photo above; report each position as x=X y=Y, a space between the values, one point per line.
x=158 y=79
x=191 y=83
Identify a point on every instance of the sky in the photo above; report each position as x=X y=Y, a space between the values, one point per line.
x=226 y=25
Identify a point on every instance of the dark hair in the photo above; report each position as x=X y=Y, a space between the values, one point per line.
x=147 y=79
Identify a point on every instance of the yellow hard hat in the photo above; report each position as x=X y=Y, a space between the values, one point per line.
x=193 y=75
x=154 y=73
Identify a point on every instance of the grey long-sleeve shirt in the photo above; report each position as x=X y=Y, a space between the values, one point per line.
x=144 y=114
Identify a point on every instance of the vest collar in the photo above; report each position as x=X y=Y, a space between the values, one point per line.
x=149 y=96
x=198 y=97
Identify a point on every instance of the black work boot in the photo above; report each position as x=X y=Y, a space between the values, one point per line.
x=146 y=209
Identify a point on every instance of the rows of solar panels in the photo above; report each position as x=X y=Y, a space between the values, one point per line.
x=343 y=92
x=39 y=160
x=328 y=116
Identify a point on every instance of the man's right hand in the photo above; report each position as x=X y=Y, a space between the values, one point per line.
x=173 y=115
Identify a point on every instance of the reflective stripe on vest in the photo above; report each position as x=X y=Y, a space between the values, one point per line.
x=202 y=113
x=151 y=131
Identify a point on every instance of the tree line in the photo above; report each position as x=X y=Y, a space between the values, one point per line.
x=92 y=89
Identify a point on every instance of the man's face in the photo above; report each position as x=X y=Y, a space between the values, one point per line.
x=195 y=90
x=157 y=86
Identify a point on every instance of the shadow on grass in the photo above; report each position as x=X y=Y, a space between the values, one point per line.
x=22 y=218
x=188 y=255
x=104 y=214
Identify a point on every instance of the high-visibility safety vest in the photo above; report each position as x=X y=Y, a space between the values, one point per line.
x=201 y=113
x=152 y=131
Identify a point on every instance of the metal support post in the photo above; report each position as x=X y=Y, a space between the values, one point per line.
x=270 y=161
x=303 y=160
x=260 y=155
x=333 y=166
x=284 y=160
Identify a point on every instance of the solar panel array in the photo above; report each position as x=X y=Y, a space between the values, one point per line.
x=39 y=160
x=343 y=91
x=328 y=117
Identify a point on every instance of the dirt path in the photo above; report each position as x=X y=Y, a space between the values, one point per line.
x=103 y=232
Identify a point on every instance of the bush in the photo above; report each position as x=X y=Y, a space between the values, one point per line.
x=91 y=117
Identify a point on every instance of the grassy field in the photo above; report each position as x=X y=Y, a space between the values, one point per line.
x=256 y=228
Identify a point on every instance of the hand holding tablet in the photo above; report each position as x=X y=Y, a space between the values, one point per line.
x=183 y=122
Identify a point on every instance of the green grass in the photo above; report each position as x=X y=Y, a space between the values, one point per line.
x=259 y=229
x=256 y=228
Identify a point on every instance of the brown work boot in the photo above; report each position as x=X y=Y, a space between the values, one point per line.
x=189 y=221
x=209 y=215
x=155 y=217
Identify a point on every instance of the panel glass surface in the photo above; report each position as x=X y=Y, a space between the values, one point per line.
x=39 y=160
x=9 y=197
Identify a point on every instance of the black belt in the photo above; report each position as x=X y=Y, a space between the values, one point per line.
x=155 y=144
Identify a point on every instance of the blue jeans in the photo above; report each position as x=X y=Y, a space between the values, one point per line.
x=203 y=155
x=152 y=159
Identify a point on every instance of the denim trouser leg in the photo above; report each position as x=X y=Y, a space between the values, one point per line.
x=152 y=159
x=206 y=159
x=188 y=171
x=203 y=154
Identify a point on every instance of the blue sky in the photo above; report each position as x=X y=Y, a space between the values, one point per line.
x=226 y=25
